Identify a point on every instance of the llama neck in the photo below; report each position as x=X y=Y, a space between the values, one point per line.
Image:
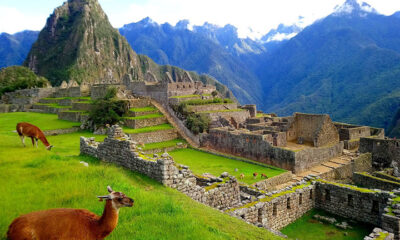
x=108 y=220
x=43 y=139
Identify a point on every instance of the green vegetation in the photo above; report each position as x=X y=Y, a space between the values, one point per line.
x=186 y=96
x=307 y=228
x=153 y=115
x=53 y=105
x=161 y=145
x=377 y=178
x=165 y=126
x=197 y=123
x=108 y=110
x=144 y=109
x=207 y=101
x=352 y=187
x=225 y=110
x=71 y=98
x=201 y=162
x=33 y=179
x=17 y=77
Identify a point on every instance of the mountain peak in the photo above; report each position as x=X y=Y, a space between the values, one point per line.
x=354 y=8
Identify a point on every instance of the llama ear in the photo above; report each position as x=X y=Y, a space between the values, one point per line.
x=104 y=197
x=109 y=189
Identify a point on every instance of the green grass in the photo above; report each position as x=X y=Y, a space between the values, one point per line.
x=153 y=115
x=77 y=111
x=186 y=96
x=144 y=109
x=53 y=105
x=225 y=110
x=161 y=145
x=307 y=228
x=201 y=162
x=45 y=121
x=72 y=98
x=160 y=127
x=33 y=179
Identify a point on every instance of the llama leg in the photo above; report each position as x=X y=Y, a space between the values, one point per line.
x=23 y=140
x=36 y=142
x=33 y=142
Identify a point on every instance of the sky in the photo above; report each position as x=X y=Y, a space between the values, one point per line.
x=253 y=18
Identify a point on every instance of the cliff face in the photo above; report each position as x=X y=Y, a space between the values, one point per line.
x=78 y=43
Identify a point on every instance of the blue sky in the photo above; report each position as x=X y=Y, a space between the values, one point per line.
x=252 y=17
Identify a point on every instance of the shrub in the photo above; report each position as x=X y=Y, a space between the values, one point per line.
x=197 y=123
x=214 y=93
x=108 y=110
x=17 y=77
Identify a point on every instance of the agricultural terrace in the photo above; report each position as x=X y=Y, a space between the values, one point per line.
x=33 y=179
x=201 y=162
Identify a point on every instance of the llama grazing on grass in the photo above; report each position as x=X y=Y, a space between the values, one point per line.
x=25 y=129
x=241 y=176
x=255 y=175
x=65 y=223
x=263 y=175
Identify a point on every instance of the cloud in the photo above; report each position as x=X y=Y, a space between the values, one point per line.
x=12 y=20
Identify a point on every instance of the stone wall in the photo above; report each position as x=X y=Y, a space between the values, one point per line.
x=364 y=179
x=61 y=131
x=118 y=148
x=27 y=96
x=99 y=91
x=362 y=163
x=81 y=106
x=270 y=183
x=158 y=91
x=385 y=152
x=145 y=122
x=68 y=92
x=72 y=116
x=310 y=157
x=351 y=202
x=354 y=133
x=156 y=136
x=238 y=116
x=212 y=107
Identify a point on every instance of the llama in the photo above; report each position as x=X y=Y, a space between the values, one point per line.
x=255 y=175
x=25 y=129
x=67 y=223
x=263 y=175
x=241 y=176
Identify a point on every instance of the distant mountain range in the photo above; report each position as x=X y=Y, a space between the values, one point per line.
x=346 y=64
x=14 y=48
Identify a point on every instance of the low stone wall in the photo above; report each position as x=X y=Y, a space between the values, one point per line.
x=61 y=131
x=362 y=163
x=386 y=176
x=364 y=179
x=309 y=157
x=391 y=224
x=351 y=202
x=146 y=122
x=351 y=144
x=277 y=212
x=379 y=234
x=27 y=96
x=176 y=101
x=49 y=109
x=239 y=116
x=68 y=92
x=270 y=183
x=137 y=114
x=5 y=108
x=70 y=116
x=118 y=148
x=385 y=152
x=139 y=102
x=81 y=106
x=156 y=136
x=212 y=107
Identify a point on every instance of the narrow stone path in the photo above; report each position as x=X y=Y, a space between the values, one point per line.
x=188 y=136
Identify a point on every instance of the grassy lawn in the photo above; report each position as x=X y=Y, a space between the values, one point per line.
x=153 y=115
x=45 y=121
x=162 y=145
x=144 y=109
x=201 y=162
x=307 y=228
x=33 y=179
x=164 y=126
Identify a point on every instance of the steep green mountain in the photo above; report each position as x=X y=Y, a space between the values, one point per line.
x=347 y=65
x=207 y=49
x=18 y=77
x=78 y=43
x=14 y=48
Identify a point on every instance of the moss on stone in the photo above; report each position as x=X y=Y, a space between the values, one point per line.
x=352 y=187
x=377 y=178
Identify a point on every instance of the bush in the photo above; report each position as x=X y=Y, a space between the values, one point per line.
x=197 y=123
x=108 y=110
x=17 y=77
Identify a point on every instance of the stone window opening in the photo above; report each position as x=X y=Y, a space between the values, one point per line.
x=350 y=200
x=300 y=199
x=327 y=195
x=288 y=203
x=397 y=144
x=375 y=207
x=311 y=196
x=359 y=131
x=260 y=215
x=274 y=209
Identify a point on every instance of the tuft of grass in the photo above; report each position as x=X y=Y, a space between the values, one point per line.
x=165 y=126
x=201 y=162
x=153 y=115
x=306 y=228
x=161 y=145
x=144 y=109
x=34 y=179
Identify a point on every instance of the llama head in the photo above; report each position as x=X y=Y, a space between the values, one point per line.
x=49 y=147
x=118 y=199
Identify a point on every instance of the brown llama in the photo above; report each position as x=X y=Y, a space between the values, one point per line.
x=241 y=176
x=255 y=175
x=68 y=223
x=25 y=129
x=263 y=175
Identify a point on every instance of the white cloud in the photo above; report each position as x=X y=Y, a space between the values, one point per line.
x=12 y=20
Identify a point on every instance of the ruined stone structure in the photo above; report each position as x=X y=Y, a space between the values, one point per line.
x=385 y=152
x=118 y=148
